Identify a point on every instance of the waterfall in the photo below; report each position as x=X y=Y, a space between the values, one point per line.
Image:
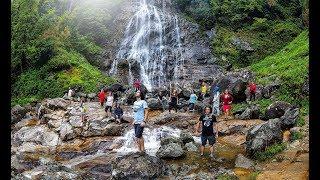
x=151 y=43
x=152 y=138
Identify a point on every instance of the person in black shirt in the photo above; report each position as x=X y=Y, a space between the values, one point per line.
x=173 y=101
x=209 y=130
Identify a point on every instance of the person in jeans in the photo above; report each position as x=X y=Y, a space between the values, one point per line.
x=140 y=109
x=209 y=130
x=109 y=104
x=192 y=100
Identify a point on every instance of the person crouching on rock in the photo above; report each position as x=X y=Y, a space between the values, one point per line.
x=226 y=99
x=109 y=104
x=140 y=109
x=118 y=113
x=209 y=130
x=102 y=96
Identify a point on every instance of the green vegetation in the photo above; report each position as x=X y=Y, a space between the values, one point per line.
x=270 y=152
x=52 y=49
x=226 y=177
x=253 y=175
x=296 y=136
x=263 y=104
x=300 y=122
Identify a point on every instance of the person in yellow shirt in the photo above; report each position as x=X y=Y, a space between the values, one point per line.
x=203 y=89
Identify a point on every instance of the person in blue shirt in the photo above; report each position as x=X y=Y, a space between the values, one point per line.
x=192 y=101
x=140 y=109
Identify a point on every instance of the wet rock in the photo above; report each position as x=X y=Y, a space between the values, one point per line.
x=104 y=128
x=154 y=104
x=261 y=136
x=171 y=151
x=38 y=134
x=243 y=162
x=251 y=112
x=57 y=103
x=191 y=146
x=169 y=140
x=167 y=117
x=55 y=124
x=277 y=109
x=137 y=166
x=289 y=119
x=66 y=131
x=186 y=137
x=75 y=121
x=17 y=113
x=27 y=122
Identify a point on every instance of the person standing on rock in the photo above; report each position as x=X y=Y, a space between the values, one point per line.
x=83 y=109
x=173 y=101
x=140 y=109
x=209 y=130
x=216 y=101
x=192 y=100
x=70 y=93
x=203 y=90
x=226 y=99
x=252 y=90
x=102 y=96
x=109 y=104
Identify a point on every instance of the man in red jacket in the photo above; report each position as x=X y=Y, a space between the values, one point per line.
x=137 y=85
x=226 y=100
x=252 y=90
x=102 y=96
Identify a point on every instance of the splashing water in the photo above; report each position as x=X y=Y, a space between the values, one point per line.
x=152 y=138
x=152 y=40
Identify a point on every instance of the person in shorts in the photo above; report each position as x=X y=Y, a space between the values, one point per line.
x=209 y=130
x=192 y=100
x=109 y=104
x=140 y=109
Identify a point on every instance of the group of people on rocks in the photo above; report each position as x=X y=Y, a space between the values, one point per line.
x=208 y=119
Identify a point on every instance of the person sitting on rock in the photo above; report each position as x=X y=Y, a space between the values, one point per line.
x=192 y=100
x=226 y=99
x=173 y=101
x=252 y=90
x=109 y=104
x=216 y=101
x=118 y=113
x=140 y=116
x=209 y=130
x=102 y=96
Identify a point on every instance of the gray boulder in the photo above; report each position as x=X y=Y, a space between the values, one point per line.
x=263 y=135
x=243 y=162
x=268 y=90
x=66 y=131
x=251 y=112
x=154 y=104
x=168 y=140
x=277 y=109
x=137 y=166
x=57 y=103
x=186 y=137
x=191 y=146
x=92 y=95
x=289 y=119
x=17 y=113
x=171 y=151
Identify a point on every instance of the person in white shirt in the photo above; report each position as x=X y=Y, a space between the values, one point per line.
x=70 y=93
x=109 y=104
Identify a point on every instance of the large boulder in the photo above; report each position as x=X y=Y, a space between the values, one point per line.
x=171 y=151
x=289 y=119
x=104 y=127
x=191 y=147
x=268 y=90
x=243 y=162
x=238 y=89
x=117 y=87
x=251 y=112
x=166 y=117
x=137 y=166
x=17 y=113
x=66 y=131
x=186 y=137
x=168 y=140
x=154 y=104
x=277 y=109
x=263 y=135
x=57 y=103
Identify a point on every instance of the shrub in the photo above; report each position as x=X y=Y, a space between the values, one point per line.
x=296 y=136
x=270 y=152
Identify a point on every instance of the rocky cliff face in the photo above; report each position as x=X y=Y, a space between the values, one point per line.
x=154 y=43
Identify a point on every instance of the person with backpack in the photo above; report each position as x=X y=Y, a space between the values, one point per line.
x=102 y=96
x=252 y=90
x=216 y=101
x=192 y=100
x=209 y=130
x=226 y=99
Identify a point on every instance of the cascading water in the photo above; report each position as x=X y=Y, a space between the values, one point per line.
x=151 y=43
x=152 y=138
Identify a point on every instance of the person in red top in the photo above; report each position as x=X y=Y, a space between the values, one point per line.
x=252 y=90
x=137 y=85
x=226 y=100
x=102 y=96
